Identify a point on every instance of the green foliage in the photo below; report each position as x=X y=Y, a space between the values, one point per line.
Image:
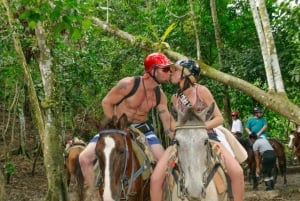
x=90 y=61
x=10 y=168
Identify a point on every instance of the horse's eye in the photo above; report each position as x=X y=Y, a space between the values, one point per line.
x=121 y=151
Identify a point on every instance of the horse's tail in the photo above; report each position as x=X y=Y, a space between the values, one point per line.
x=79 y=178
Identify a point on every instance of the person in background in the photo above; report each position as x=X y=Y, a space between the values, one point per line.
x=257 y=124
x=191 y=94
x=136 y=105
x=266 y=156
x=237 y=126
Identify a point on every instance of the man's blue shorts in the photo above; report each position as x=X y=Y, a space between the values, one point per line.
x=150 y=136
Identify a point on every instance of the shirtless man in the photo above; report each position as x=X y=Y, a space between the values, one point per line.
x=136 y=106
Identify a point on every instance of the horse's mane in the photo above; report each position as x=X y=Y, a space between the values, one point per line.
x=107 y=123
x=245 y=142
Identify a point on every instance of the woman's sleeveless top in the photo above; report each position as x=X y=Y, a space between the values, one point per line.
x=183 y=102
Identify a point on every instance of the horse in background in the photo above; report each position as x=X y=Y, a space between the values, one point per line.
x=196 y=171
x=294 y=143
x=281 y=164
x=72 y=150
x=120 y=172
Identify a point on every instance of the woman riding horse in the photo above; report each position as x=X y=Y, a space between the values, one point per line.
x=191 y=94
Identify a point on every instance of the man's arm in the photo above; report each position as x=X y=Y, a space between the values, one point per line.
x=165 y=117
x=248 y=127
x=257 y=160
x=121 y=89
x=263 y=129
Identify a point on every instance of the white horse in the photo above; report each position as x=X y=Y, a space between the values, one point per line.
x=195 y=181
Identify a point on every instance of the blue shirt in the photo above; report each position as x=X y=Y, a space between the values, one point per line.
x=255 y=125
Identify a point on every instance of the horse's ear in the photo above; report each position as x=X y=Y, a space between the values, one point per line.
x=123 y=122
x=114 y=120
x=206 y=114
x=180 y=116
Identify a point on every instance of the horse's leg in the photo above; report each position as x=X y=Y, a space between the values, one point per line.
x=255 y=179
x=79 y=179
x=68 y=172
x=282 y=167
x=275 y=173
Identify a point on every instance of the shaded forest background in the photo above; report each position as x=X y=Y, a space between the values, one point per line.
x=88 y=61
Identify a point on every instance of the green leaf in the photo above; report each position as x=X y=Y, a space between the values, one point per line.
x=75 y=35
x=168 y=31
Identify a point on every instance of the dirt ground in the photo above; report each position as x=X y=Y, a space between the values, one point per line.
x=25 y=187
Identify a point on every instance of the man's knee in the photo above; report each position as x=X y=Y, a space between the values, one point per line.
x=156 y=180
x=84 y=160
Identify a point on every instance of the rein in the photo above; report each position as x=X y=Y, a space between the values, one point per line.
x=188 y=126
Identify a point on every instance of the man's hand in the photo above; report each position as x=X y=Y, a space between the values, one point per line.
x=170 y=133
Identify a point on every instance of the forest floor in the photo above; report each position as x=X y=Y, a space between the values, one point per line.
x=25 y=187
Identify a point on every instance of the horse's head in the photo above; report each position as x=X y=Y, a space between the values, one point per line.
x=294 y=139
x=112 y=151
x=192 y=138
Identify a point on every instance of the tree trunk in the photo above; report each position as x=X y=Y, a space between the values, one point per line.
x=267 y=44
x=226 y=97
x=48 y=126
x=195 y=30
x=2 y=190
x=274 y=101
x=22 y=147
x=271 y=46
x=53 y=149
x=263 y=46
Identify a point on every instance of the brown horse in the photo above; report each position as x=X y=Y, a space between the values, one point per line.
x=73 y=149
x=294 y=143
x=120 y=174
x=281 y=159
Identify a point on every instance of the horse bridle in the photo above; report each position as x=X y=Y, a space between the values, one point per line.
x=207 y=177
x=124 y=180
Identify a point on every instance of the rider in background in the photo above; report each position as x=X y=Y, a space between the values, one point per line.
x=191 y=94
x=264 y=151
x=237 y=126
x=257 y=124
x=136 y=107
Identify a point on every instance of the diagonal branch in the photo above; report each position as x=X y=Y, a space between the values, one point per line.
x=277 y=102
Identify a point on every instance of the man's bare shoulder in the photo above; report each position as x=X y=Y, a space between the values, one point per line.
x=125 y=84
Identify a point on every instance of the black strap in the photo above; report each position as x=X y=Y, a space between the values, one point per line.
x=184 y=99
x=157 y=94
x=137 y=80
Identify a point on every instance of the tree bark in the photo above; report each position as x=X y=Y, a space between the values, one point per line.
x=263 y=27
x=277 y=102
x=226 y=97
x=53 y=141
x=263 y=46
x=48 y=126
x=195 y=30
x=2 y=190
x=271 y=46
